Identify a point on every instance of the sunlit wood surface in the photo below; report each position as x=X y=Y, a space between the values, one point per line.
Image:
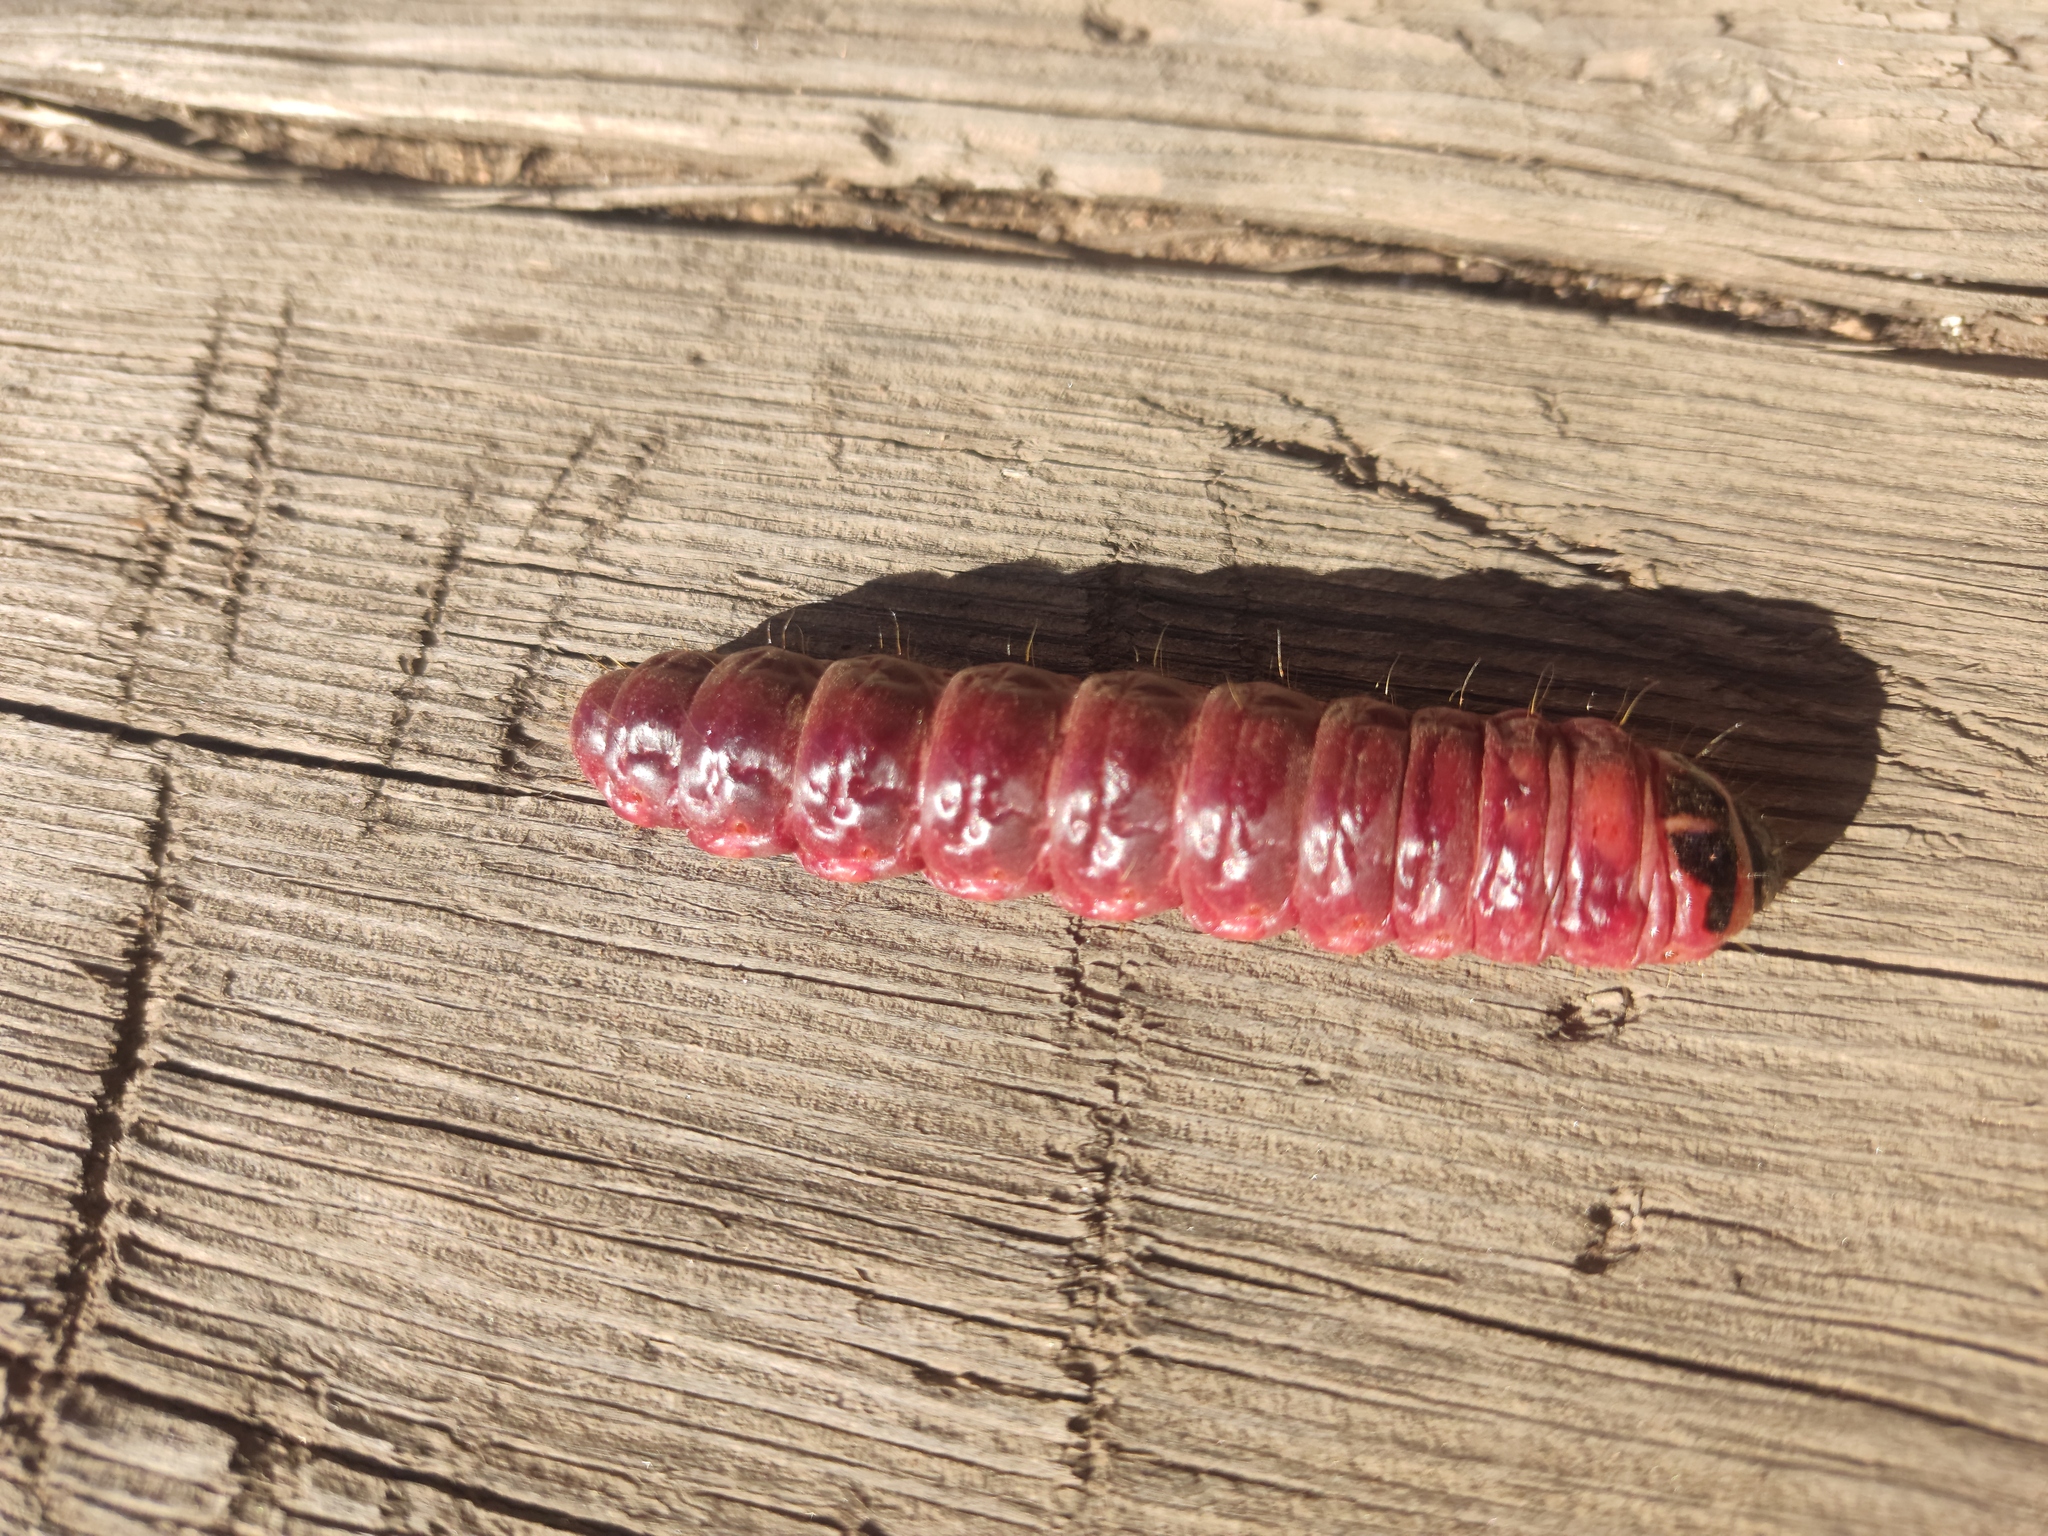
x=391 y=1140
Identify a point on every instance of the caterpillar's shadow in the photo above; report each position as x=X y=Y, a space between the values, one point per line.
x=1794 y=708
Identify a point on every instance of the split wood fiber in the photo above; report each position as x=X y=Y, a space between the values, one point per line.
x=395 y=1142
x=1863 y=171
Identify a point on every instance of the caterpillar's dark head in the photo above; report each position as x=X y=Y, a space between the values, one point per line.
x=1725 y=861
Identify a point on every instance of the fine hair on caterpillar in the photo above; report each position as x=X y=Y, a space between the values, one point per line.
x=1274 y=771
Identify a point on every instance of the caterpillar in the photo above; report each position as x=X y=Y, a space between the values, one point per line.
x=1250 y=806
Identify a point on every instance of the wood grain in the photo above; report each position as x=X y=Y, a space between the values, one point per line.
x=1874 y=171
x=75 y=881
x=481 y=1160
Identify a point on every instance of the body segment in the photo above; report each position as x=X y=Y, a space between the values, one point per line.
x=982 y=807
x=1524 y=819
x=1114 y=855
x=1238 y=813
x=1437 y=850
x=1351 y=826
x=854 y=798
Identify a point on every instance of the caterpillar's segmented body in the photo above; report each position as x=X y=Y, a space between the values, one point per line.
x=1252 y=807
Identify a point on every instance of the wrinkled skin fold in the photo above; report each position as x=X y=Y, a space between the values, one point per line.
x=1253 y=808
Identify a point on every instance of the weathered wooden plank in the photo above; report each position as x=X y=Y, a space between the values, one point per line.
x=851 y=1205
x=1828 y=166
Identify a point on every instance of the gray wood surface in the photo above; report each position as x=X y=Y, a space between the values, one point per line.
x=393 y=1141
x=1869 y=170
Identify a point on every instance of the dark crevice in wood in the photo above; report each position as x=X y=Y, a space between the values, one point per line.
x=428 y=636
x=107 y=1123
x=519 y=699
x=36 y=1385
x=226 y=746
x=265 y=1466
x=262 y=478
x=610 y=507
x=1099 y=1262
x=492 y=1501
x=1353 y=466
x=159 y=130
x=1158 y=1256
x=356 y=1109
x=1990 y=365
x=406 y=696
x=479 y=1134
x=794 y=1209
x=927 y=1374
x=891 y=218
x=1923 y=279
x=1025 y=224
x=168 y=521
x=260 y=1448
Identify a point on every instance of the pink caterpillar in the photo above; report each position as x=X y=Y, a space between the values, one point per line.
x=1250 y=806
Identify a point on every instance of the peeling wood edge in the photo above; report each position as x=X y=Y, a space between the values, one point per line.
x=141 y=138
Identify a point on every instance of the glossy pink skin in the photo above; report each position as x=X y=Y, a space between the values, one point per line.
x=853 y=813
x=1653 y=868
x=1111 y=800
x=748 y=714
x=1524 y=821
x=982 y=823
x=1350 y=826
x=1238 y=814
x=590 y=729
x=1437 y=850
x=1251 y=806
x=1599 y=916
x=652 y=738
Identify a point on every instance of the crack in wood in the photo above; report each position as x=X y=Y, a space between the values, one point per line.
x=1897 y=968
x=259 y=1444
x=265 y=1455
x=480 y=1135
x=1037 y=224
x=38 y=1383
x=1100 y=1261
x=1643 y=1355
x=414 y=666
x=267 y=1468
x=36 y=134
x=167 y=523
x=262 y=478
x=227 y=746
x=1359 y=469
